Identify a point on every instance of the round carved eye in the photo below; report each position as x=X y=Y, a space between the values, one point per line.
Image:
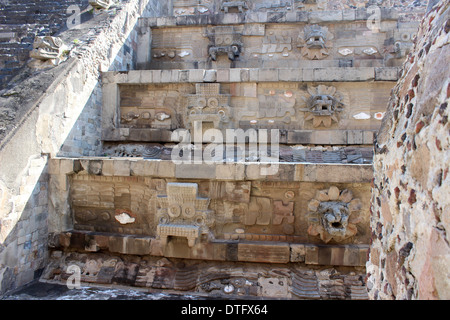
x=228 y=40
x=201 y=103
x=146 y=115
x=199 y=220
x=219 y=40
x=406 y=36
x=213 y=102
x=188 y=211
x=174 y=211
x=222 y=114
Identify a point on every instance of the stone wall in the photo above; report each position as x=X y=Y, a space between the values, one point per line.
x=54 y=110
x=410 y=252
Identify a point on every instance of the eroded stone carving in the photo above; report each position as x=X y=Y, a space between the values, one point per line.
x=191 y=233
x=182 y=213
x=277 y=44
x=284 y=215
x=323 y=105
x=314 y=42
x=259 y=212
x=48 y=49
x=208 y=105
x=224 y=40
x=240 y=5
x=101 y=4
x=333 y=215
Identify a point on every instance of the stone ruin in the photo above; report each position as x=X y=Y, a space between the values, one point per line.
x=173 y=198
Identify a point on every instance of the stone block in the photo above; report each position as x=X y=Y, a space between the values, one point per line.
x=254 y=74
x=294 y=75
x=325 y=16
x=108 y=168
x=253 y=171
x=270 y=75
x=235 y=75
x=195 y=171
x=223 y=75
x=387 y=74
x=156 y=76
x=291 y=17
x=161 y=168
x=298 y=253
x=178 y=248
x=156 y=248
x=117 y=244
x=196 y=75
x=355 y=137
x=65 y=166
x=349 y=15
x=121 y=167
x=54 y=166
x=134 y=77
x=146 y=76
x=312 y=254
x=138 y=246
x=209 y=76
x=368 y=137
x=265 y=253
x=344 y=74
x=166 y=76
x=230 y=171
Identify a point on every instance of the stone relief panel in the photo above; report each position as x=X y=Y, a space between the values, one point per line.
x=173 y=48
x=256 y=45
x=151 y=106
x=182 y=213
x=199 y=211
x=208 y=106
x=113 y=204
x=147 y=111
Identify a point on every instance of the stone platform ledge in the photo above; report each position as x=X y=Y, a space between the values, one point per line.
x=238 y=75
x=138 y=167
x=317 y=137
x=309 y=17
x=216 y=250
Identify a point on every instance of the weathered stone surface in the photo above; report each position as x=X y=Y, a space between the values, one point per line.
x=408 y=206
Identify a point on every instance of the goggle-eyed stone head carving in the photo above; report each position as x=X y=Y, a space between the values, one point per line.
x=314 y=42
x=323 y=105
x=315 y=37
x=333 y=215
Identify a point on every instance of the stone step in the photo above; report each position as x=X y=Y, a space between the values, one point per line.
x=215 y=250
x=387 y=14
x=139 y=167
x=237 y=75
